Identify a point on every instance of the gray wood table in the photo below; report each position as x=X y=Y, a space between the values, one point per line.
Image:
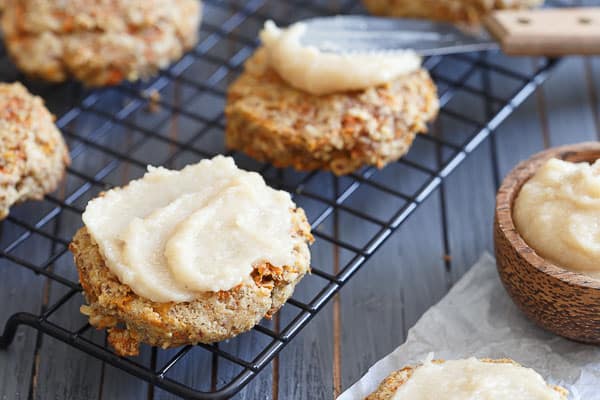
x=373 y=312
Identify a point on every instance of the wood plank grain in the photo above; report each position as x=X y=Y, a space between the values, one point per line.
x=64 y=372
x=387 y=297
x=117 y=384
x=194 y=370
x=20 y=290
x=567 y=102
x=523 y=133
x=469 y=192
x=593 y=82
x=305 y=366
x=403 y=278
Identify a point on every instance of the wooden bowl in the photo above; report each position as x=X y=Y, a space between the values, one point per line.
x=566 y=303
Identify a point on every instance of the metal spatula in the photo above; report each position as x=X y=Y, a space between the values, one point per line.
x=547 y=32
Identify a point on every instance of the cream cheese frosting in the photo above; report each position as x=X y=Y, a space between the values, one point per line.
x=473 y=379
x=173 y=234
x=557 y=212
x=308 y=69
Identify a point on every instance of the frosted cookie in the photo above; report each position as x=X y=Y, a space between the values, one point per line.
x=33 y=154
x=192 y=256
x=98 y=42
x=470 y=11
x=467 y=379
x=294 y=106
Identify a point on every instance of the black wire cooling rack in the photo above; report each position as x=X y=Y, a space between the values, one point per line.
x=177 y=118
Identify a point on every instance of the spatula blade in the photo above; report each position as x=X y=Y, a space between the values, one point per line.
x=360 y=33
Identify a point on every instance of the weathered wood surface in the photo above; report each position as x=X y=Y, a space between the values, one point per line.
x=373 y=313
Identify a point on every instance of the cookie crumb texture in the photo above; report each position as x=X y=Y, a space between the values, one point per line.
x=212 y=317
x=274 y=122
x=470 y=11
x=99 y=42
x=33 y=152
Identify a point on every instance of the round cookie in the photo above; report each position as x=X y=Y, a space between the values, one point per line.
x=271 y=121
x=470 y=11
x=390 y=385
x=99 y=42
x=33 y=154
x=212 y=317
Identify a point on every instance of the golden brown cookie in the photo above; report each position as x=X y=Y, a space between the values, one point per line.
x=99 y=42
x=33 y=154
x=271 y=121
x=212 y=317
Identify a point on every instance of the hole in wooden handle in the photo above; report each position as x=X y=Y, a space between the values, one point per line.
x=584 y=20
x=524 y=20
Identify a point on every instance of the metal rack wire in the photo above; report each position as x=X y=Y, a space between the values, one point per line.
x=114 y=133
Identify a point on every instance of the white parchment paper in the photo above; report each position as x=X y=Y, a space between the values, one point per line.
x=477 y=318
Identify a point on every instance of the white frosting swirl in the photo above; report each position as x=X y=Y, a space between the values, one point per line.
x=173 y=234
x=473 y=379
x=557 y=212
x=316 y=72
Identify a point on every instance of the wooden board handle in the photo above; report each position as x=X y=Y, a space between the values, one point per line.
x=547 y=32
